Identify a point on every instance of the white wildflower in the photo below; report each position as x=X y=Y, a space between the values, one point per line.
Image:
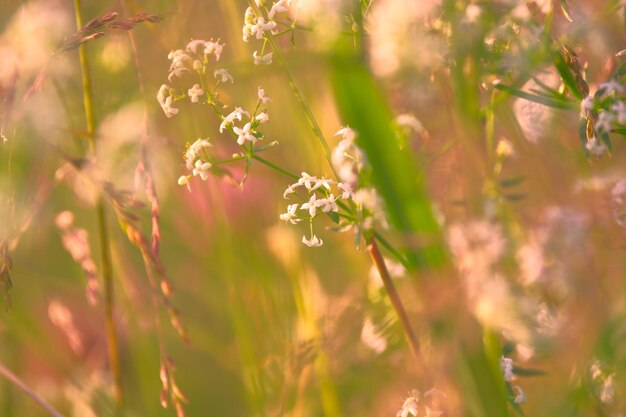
x=223 y=75
x=347 y=158
x=244 y=134
x=262 y=117
x=520 y=397
x=410 y=406
x=201 y=169
x=290 y=215
x=278 y=7
x=262 y=59
x=236 y=114
x=195 y=92
x=346 y=133
x=214 y=47
x=193 y=45
x=312 y=205
x=184 y=180
x=328 y=204
x=193 y=151
x=314 y=242
x=347 y=190
x=165 y=98
x=595 y=147
x=506 y=365
x=261 y=94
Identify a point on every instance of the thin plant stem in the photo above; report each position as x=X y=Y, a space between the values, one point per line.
x=105 y=249
x=379 y=263
x=295 y=86
x=15 y=380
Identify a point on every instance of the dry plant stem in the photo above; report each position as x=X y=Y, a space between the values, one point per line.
x=105 y=250
x=379 y=262
x=15 y=380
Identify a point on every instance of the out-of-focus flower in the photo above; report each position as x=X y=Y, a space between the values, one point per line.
x=223 y=75
x=347 y=158
x=506 y=365
x=372 y=337
x=165 y=98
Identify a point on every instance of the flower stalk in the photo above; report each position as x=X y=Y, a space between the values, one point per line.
x=105 y=249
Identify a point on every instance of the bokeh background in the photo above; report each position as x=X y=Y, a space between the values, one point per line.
x=276 y=328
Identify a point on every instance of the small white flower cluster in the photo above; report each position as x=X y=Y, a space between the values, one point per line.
x=349 y=161
x=506 y=365
x=255 y=27
x=195 y=162
x=243 y=125
x=367 y=205
x=194 y=58
x=347 y=158
x=606 y=108
x=604 y=381
x=247 y=132
x=430 y=403
x=321 y=200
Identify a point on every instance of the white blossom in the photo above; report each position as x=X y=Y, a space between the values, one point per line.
x=261 y=94
x=195 y=92
x=201 y=168
x=314 y=242
x=236 y=114
x=223 y=75
x=262 y=59
x=311 y=205
x=165 y=98
x=291 y=215
x=244 y=134
x=262 y=117
x=595 y=146
x=506 y=365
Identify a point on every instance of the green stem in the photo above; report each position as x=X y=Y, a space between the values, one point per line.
x=295 y=86
x=105 y=249
x=274 y=167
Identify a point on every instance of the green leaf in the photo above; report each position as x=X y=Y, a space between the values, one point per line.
x=511 y=182
x=527 y=371
x=362 y=106
x=333 y=216
x=546 y=101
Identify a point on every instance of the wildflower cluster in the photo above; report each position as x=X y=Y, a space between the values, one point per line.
x=506 y=366
x=603 y=111
x=365 y=206
x=194 y=58
x=321 y=200
x=257 y=24
x=241 y=124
